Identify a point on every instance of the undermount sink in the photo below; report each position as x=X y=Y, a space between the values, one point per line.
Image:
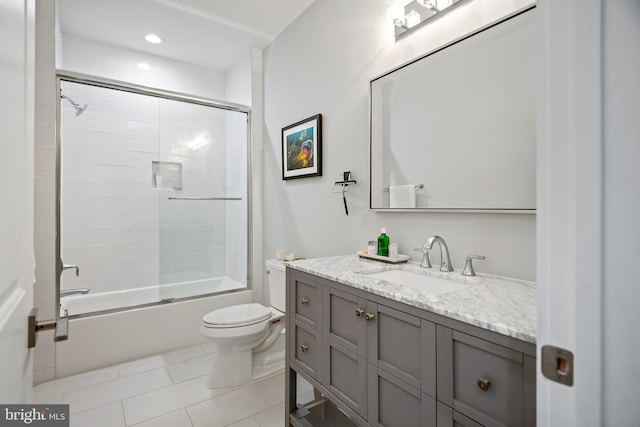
x=432 y=284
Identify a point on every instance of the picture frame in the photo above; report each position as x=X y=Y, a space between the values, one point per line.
x=302 y=148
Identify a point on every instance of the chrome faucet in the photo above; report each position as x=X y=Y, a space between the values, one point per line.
x=444 y=266
x=76 y=291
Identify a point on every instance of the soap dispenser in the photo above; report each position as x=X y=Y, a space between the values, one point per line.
x=383 y=243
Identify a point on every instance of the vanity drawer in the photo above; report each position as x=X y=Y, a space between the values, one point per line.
x=487 y=382
x=306 y=349
x=447 y=417
x=307 y=300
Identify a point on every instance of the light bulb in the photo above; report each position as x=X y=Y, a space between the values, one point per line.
x=443 y=4
x=429 y=4
x=412 y=19
x=395 y=13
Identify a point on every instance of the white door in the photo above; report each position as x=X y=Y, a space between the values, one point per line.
x=569 y=230
x=17 y=32
x=588 y=232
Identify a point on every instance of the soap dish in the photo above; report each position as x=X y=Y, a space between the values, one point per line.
x=392 y=260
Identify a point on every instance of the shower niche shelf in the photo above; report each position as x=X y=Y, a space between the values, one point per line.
x=166 y=175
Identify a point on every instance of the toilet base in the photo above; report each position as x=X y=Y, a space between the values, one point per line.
x=231 y=369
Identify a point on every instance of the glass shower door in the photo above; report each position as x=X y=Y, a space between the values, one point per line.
x=201 y=180
x=108 y=213
x=153 y=195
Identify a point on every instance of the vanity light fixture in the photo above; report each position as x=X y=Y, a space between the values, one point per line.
x=153 y=38
x=408 y=14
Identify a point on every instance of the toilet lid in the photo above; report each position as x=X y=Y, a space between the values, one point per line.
x=237 y=315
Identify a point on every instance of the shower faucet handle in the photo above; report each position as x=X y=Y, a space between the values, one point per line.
x=70 y=266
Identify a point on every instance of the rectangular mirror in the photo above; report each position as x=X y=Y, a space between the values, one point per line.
x=455 y=130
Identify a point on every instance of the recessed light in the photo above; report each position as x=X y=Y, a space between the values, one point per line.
x=153 y=38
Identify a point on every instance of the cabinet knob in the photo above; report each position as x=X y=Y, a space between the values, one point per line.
x=304 y=348
x=369 y=316
x=483 y=384
x=304 y=301
x=359 y=312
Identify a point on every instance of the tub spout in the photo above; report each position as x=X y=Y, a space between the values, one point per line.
x=76 y=291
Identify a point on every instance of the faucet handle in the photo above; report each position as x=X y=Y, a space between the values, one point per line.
x=425 y=263
x=468 y=265
x=70 y=266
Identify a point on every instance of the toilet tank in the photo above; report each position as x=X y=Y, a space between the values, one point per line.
x=277 y=283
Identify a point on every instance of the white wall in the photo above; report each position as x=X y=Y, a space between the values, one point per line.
x=322 y=63
x=98 y=59
x=244 y=86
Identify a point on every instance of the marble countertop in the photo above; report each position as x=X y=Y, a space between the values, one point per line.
x=506 y=306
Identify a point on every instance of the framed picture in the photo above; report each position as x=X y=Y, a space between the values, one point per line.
x=301 y=148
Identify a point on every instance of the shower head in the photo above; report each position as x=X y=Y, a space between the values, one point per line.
x=79 y=108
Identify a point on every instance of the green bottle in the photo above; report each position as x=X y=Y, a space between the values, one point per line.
x=383 y=243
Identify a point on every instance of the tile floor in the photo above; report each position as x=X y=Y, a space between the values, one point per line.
x=166 y=390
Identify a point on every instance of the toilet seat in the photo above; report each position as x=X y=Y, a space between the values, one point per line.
x=243 y=329
x=237 y=316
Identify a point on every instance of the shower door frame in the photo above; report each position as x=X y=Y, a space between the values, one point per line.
x=73 y=77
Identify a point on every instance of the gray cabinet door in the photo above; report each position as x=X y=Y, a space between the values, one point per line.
x=486 y=382
x=344 y=373
x=394 y=403
x=404 y=346
x=305 y=348
x=305 y=300
x=344 y=319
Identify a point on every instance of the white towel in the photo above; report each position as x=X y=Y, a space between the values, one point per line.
x=402 y=196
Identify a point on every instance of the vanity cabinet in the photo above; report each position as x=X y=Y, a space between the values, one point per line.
x=378 y=360
x=384 y=363
x=492 y=384
x=304 y=295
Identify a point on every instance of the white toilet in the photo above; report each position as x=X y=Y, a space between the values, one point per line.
x=249 y=338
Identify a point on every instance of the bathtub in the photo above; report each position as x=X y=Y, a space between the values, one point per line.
x=106 y=301
x=108 y=337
